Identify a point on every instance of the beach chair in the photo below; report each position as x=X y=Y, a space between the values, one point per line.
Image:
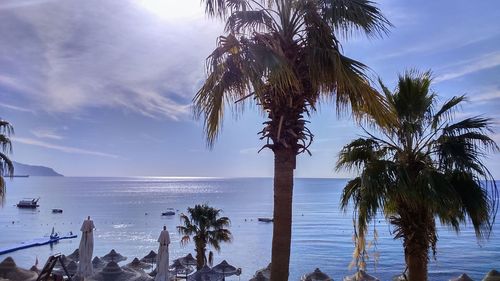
x=46 y=272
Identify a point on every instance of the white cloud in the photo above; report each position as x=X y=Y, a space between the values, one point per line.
x=16 y=108
x=10 y=4
x=66 y=149
x=486 y=95
x=74 y=56
x=250 y=150
x=469 y=66
x=46 y=133
x=437 y=44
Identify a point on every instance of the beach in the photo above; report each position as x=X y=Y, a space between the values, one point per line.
x=127 y=215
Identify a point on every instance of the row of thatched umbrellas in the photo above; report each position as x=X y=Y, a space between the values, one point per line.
x=133 y=271
x=317 y=275
x=181 y=266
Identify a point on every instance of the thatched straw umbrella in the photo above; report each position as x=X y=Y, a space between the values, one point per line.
x=113 y=256
x=316 y=275
x=259 y=276
x=188 y=260
x=75 y=256
x=266 y=272
x=97 y=263
x=113 y=272
x=136 y=264
x=72 y=268
x=150 y=258
x=178 y=268
x=492 y=276
x=10 y=271
x=205 y=273
x=463 y=277
x=225 y=269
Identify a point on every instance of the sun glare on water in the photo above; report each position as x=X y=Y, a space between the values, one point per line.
x=172 y=9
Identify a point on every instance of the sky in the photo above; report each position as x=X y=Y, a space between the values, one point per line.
x=104 y=87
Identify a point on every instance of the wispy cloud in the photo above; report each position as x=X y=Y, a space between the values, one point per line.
x=16 y=108
x=75 y=57
x=470 y=66
x=439 y=44
x=249 y=150
x=66 y=149
x=46 y=133
x=12 y=4
x=487 y=94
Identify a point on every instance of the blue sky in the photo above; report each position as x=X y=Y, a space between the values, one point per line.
x=103 y=88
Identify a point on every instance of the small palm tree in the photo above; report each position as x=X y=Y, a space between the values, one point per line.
x=286 y=57
x=207 y=229
x=423 y=167
x=6 y=166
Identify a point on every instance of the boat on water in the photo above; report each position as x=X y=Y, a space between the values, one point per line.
x=57 y=211
x=265 y=219
x=169 y=212
x=28 y=203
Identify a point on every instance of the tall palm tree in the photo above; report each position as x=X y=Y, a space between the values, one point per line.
x=425 y=166
x=6 y=166
x=207 y=228
x=285 y=56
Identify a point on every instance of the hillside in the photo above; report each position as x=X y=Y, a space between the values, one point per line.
x=31 y=170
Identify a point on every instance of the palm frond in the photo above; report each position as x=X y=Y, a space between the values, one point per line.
x=478 y=123
x=240 y=21
x=221 y=8
x=446 y=110
x=346 y=16
x=358 y=153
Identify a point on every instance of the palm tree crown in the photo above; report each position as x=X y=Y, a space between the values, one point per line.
x=207 y=228
x=424 y=166
x=6 y=166
x=286 y=55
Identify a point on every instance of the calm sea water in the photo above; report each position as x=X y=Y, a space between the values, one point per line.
x=322 y=234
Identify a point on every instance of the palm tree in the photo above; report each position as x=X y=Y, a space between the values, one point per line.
x=207 y=229
x=6 y=166
x=285 y=56
x=425 y=166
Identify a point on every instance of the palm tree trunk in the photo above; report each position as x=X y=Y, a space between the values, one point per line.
x=200 y=255
x=284 y=164
x=417 y=248
x=417 y=267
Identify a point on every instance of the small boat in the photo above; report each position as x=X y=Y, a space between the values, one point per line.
x=265 y=219
x=29 y=203
x=169 y=212
x=57 y=211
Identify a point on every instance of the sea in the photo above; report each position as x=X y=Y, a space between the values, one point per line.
x=127 y=216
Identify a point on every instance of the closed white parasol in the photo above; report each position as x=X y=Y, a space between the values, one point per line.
x=86 y=249
x=162 y=258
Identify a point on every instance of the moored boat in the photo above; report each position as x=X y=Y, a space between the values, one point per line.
x=265 y=219
x=169 y=212
x=29 y=203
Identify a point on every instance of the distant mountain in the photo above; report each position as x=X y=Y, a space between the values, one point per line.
x=24 y=169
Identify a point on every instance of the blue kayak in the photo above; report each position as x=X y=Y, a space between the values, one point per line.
x=36 y=242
